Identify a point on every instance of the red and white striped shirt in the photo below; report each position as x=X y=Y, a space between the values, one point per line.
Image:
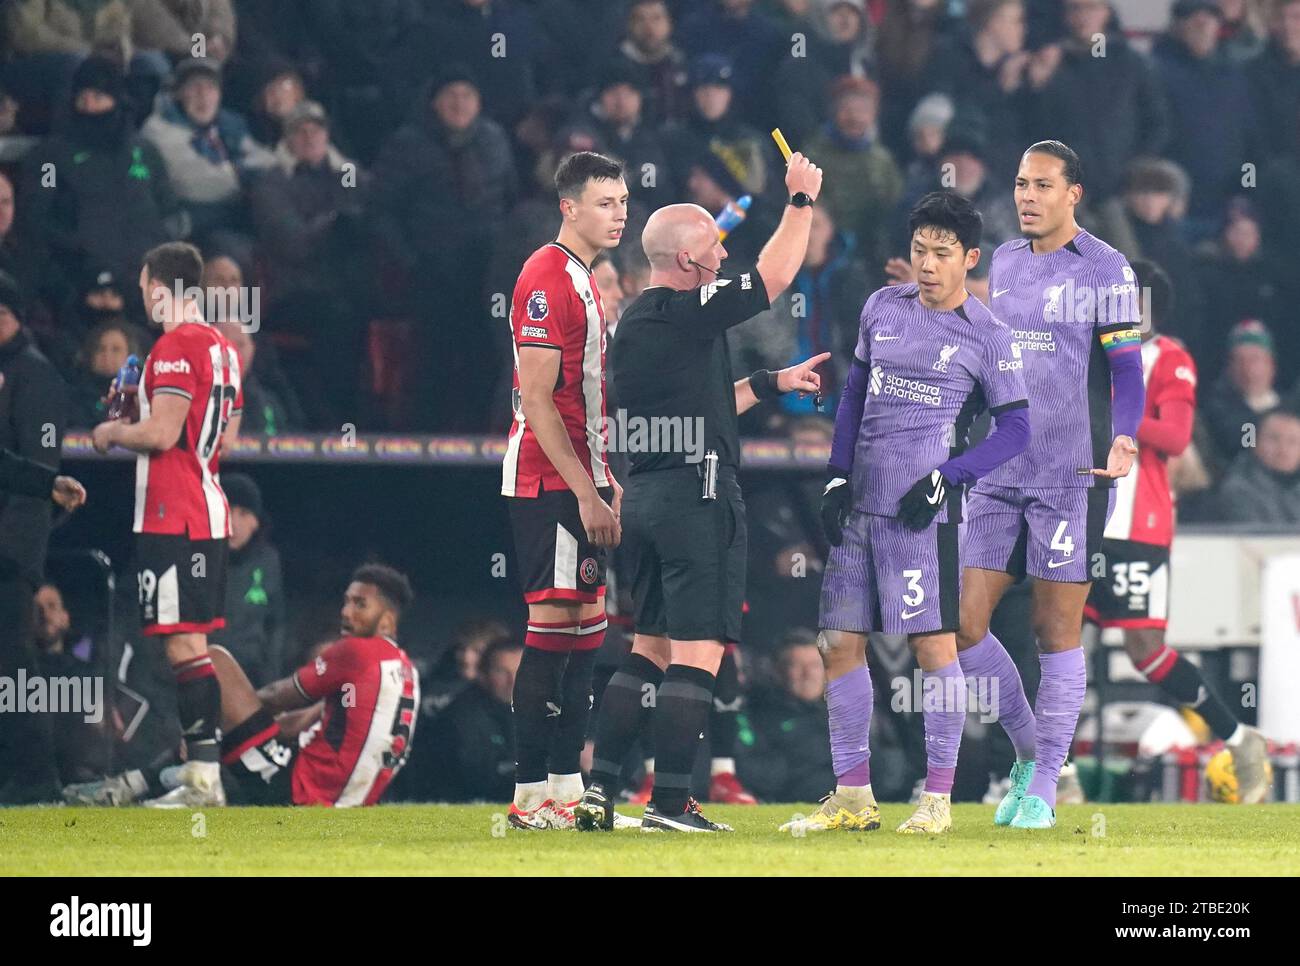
x=557 y=306
x=371 y=692
x=1144 y=504
x=178 y=491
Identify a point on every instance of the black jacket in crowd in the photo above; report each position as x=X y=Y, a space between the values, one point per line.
x=1107 y=132
x=108 y=203
x=23 y=477
x=255 y=621
x=33 y=411
x=785 y=753
x=468 y=755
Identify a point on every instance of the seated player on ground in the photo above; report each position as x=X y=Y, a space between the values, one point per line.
x=365 y=688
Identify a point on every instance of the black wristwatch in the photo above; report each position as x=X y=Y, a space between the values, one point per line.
x=800 y=199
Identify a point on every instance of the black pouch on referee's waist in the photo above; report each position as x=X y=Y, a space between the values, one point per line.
x=708 y=471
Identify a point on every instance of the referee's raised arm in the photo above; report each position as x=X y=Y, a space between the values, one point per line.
x=782 y=256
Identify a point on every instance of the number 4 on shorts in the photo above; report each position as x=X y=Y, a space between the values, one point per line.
x=1061 y=542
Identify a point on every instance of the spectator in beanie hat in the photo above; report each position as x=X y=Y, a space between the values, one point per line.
x=713 y=125
x=1246 y=389
x=208 y=149
x=617 y=115
x=112 y=200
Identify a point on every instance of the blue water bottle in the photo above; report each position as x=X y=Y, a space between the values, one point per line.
x=732 y=215
x=123 y=400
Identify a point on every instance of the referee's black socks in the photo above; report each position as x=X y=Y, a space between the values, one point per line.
x=685 y=698
x=625 y=707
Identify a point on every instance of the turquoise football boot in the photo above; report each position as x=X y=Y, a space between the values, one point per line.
x=1021 y=773
x=1034 y=812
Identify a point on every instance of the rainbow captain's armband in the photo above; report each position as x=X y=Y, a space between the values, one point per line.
x=1122 y=340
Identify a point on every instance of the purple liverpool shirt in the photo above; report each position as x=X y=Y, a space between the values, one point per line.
x=929 y=374
x=1074 y=316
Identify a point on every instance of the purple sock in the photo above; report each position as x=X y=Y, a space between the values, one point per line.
x=1060 y=698
x=943 y=705
x=990 y=664
x=848 y=699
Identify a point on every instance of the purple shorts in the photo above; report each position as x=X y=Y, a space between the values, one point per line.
x=885 y=577
x=1052 y=533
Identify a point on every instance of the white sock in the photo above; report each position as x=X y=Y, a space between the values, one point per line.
x=1236 y=737
x=723 y=766
x=136 y=781
x=564 y=789
x=649 y=766
x=857 y=793
x=529 y=795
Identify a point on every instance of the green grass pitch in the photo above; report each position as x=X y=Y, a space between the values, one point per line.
x=1118 y=840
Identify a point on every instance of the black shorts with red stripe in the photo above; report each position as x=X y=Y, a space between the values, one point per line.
x=1134 y=593
x=556 y=560
x=261 y=760
x=181 y=583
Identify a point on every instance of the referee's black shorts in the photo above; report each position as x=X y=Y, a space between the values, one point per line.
x=687 y=554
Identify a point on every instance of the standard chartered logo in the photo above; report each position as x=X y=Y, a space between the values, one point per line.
x=1034 y=341
x=913 y=390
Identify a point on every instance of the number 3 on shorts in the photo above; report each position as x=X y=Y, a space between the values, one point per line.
x=915 y=592
x=1061 y=542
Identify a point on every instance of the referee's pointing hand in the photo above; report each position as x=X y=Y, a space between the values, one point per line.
x=599 y=521
x=802 y=377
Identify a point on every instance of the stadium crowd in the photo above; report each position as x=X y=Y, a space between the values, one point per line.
x=366 y=178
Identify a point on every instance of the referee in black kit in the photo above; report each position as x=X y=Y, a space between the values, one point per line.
x=683 y=517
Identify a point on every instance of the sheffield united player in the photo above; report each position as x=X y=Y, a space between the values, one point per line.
x=1071 y=302
x=564 y=502
x=1134 y=592
x=346 y=719
x=930 y=358
x=190 y=399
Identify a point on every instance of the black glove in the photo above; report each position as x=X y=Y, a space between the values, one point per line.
x=835 y=506
x=919 y=505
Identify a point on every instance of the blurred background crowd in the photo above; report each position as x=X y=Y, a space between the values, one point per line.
x=366 y=177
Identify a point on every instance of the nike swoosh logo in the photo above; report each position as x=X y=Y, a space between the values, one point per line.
x=907 y=617
x=886 y=338
x=1053 y=564
x=1000 y=292
x=935 y=495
